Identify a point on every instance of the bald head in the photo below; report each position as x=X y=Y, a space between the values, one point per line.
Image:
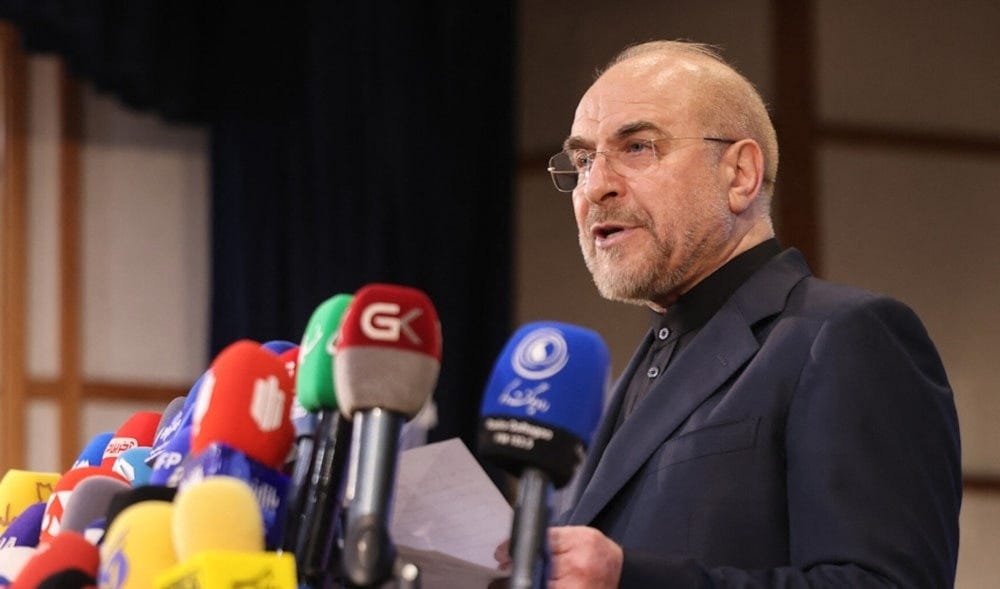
x=724 y=103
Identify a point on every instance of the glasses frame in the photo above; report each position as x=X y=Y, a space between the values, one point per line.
x=555 y=174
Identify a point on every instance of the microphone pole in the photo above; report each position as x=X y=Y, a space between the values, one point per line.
x=526 y=540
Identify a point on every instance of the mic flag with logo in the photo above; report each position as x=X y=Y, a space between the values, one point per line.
x=543 y=399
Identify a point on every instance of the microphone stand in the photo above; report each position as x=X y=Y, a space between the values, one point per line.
x=527 y=538
x=368 y=551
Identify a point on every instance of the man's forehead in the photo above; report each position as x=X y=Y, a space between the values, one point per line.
x=652 y=90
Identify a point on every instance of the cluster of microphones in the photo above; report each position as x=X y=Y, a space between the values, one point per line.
x=277 y=469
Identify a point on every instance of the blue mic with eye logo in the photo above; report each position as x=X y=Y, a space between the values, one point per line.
x=540 y=409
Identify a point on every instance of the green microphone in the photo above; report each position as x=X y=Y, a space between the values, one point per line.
x=318 y=479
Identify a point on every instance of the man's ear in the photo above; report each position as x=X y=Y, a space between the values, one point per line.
x=748 y=174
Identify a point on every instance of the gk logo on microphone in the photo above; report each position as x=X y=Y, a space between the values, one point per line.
x=381 y=321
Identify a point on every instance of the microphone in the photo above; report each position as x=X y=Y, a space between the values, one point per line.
x=93 y=452
x=170 y=424
x=180 y=420
x=244 y=402
x=20 y=489
x=218 y=513
x=137 y=545
x=241 y=427
x=12 y=561
x=219 y=539
x=138 y=430
x=67 y=553
x=388 y=359
x=90 y=500
x=131 y=464
x=167 y=464
x=540 y=408
x=25 y=528
x=61 y=495
x=318 y=479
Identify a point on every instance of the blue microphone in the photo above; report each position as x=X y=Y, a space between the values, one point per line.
x=93 y=452
x=540 y=409
x=168 y=462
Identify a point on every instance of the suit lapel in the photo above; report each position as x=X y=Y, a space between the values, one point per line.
x=724 y=344
x=607 y=427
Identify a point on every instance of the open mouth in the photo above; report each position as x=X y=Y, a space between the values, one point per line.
x=604 y=231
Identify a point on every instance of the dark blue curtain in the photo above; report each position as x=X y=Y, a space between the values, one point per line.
x=351 y=142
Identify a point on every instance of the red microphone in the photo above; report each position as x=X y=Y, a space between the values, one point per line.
x=57 y=502
x=244 y=402
x=67 y=554
x=388 y=359
x=290 y=358
x=138 y=430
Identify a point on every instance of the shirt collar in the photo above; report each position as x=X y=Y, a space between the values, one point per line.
x=694 y=308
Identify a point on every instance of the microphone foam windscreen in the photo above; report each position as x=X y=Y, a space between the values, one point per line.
x=12 y=561
x=170 y=457
x=89 y=501
x=314 y=377
x=93 y=452
x=20 y=489
x=277 y=346
x=138 y=430
x=66 y=552
x=244 y=402
x=56 y=505
x=544 y=399
x=131 y=464
x=125 y=499
x=219 y=513
x=290 y=359
x=168 y=426
x=137 y=546
x=24 y=530
x=389 y=351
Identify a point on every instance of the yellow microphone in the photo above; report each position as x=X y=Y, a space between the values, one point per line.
x=20 y=489
x=137 y=546
x=218 y=533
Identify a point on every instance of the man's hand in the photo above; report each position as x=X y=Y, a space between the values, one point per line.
x=581 y=557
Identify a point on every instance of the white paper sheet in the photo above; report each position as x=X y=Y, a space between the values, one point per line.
x=448 y=516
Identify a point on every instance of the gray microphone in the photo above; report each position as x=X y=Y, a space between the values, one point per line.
x=388 y=360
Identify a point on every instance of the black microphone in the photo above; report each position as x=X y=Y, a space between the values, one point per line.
x=388 y=359
x=313 y=523
x=540 y=409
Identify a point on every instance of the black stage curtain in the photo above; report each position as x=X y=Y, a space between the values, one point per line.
x=351 y=142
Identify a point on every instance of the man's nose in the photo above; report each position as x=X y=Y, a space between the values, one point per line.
x=602 y=180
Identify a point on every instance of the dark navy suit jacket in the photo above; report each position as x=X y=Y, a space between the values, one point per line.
x=806 y=437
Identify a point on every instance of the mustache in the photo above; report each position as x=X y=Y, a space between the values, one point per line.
x=617 y=216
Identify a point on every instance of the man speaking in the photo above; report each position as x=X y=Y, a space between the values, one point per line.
x=772 y=429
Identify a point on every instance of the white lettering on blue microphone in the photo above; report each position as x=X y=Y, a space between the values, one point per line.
x=540 y=354
x=530 y=398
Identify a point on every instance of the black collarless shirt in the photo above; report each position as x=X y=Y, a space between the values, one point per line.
x=671 y=331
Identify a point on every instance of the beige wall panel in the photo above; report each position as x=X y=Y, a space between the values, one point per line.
x=923 y=63
x=42 y=294
x=562 y=43
x=146 y=249
x=978 y=566
x=552 y=281
x=923 y=229
x=42 y=436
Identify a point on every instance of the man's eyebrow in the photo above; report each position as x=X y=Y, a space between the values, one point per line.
x=626 y=130
x=576 y=142
x=636 y=127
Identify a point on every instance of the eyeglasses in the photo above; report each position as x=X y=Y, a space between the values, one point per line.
x=571 y=168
